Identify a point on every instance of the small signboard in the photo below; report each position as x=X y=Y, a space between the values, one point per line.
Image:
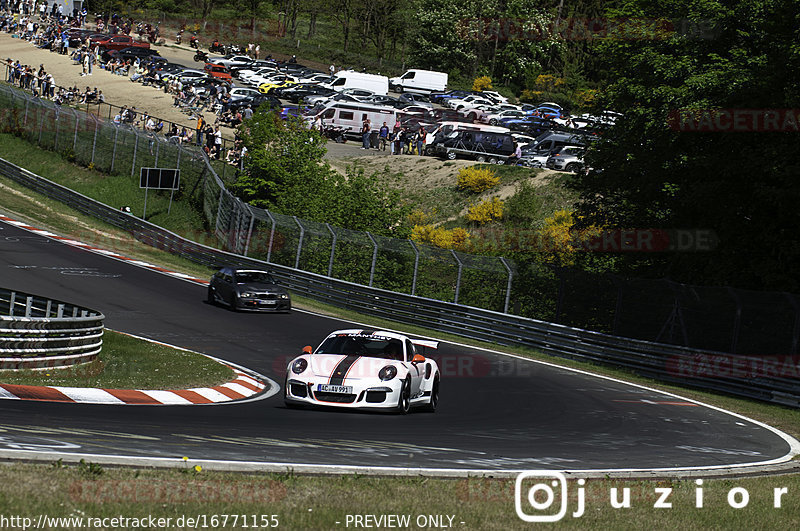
x=160 y=178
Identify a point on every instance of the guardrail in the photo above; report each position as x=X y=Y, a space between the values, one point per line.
x=767 y=379
x=37 y=332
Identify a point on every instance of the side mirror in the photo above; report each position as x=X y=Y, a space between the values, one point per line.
x=418 y=358
x=307 y=349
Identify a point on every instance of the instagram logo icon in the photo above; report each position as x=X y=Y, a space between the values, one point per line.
x=537 y=501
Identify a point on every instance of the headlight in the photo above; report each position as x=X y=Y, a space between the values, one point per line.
x=246 y=295
x=387 y=373
x=284 y=296
x=299 y=366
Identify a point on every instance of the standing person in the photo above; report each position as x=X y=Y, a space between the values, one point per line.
x=383 y=135
x=402 y=141
x=85 y=65
x=421 y=141
x=217 y=141
x=332 y=69
x=258 y=51
x=200 y=124
x=365 y=130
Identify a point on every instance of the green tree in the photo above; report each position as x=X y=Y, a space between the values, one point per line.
x=738 y=54
x=285 y=171
x=283 y=163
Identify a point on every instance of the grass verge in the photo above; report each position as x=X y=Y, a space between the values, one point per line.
x=92 y=495
x=130 y=363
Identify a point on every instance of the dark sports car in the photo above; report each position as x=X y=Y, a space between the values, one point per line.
x=248 y=289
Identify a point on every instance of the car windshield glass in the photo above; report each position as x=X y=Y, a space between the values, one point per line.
x=243 y=277
x=358 y=345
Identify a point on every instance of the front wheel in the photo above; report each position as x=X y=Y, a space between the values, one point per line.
x=404 y=400
x=492 y=160
x=451 y=155
x=480 y=158
x=210 y=298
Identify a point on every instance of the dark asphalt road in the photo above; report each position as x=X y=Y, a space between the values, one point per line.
x=496 y=412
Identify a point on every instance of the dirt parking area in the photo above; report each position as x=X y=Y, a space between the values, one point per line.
x=117 y=90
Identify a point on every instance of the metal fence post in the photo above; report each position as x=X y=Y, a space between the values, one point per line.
x=55 y=141
x=249 y=229
x=135 y=149
x=11 y=302
x=458 y=279
x=178 y=162
x=25 y=118
x=94 y=141
x=41 y=123
x=114 y=151
x=374 y=258
x=416 y=267
x=508 y=287
x=271 y=234
x=28 y=304
x=77 y=124
x=333 y=248
x=299 y=243
x=158 y=146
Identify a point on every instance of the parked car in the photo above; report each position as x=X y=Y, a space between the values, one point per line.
x=468 y=102
x=231 y=60
x=135 y=52
x=248 y=289
x=255 y=102
x=296 y=93
x=416 y=99
x=567 y=158
x=118 y=42
x=442 y=97
x=238 y=93
x=493 y=118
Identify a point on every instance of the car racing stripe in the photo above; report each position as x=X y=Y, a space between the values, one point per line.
x=341 y=370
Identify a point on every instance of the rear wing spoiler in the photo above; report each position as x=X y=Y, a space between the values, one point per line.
x=425 y=343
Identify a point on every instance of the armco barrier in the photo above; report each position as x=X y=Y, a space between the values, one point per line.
x=37 y=332
x=776 y=382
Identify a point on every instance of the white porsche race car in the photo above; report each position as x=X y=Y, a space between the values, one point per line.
x=365 y=369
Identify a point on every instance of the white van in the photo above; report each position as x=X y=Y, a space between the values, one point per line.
x=348 y=79
x=421 y=81
x=445 y=129
x=350 y=115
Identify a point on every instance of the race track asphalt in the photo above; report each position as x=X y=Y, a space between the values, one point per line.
x=496 y=412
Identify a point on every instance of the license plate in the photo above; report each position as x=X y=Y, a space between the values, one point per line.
x=344 y=389
x=270 y=303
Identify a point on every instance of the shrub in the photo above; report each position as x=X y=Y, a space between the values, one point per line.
x=485 y=211
x=456 y=238
x=476 y=179
x=482 y=83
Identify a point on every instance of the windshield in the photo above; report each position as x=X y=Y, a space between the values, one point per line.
x=245 y=277
x=360 y=345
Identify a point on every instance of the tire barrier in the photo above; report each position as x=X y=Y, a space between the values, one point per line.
x=37 y=332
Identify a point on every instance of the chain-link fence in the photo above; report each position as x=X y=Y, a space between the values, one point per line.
x=712 y=318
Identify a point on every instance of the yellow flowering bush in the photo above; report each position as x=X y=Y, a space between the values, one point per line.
x=457 y=238
x=485 y=211
x=482 y=83
x=476 y=179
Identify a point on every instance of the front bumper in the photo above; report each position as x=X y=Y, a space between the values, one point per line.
x=263 y=305
x=365 y=395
